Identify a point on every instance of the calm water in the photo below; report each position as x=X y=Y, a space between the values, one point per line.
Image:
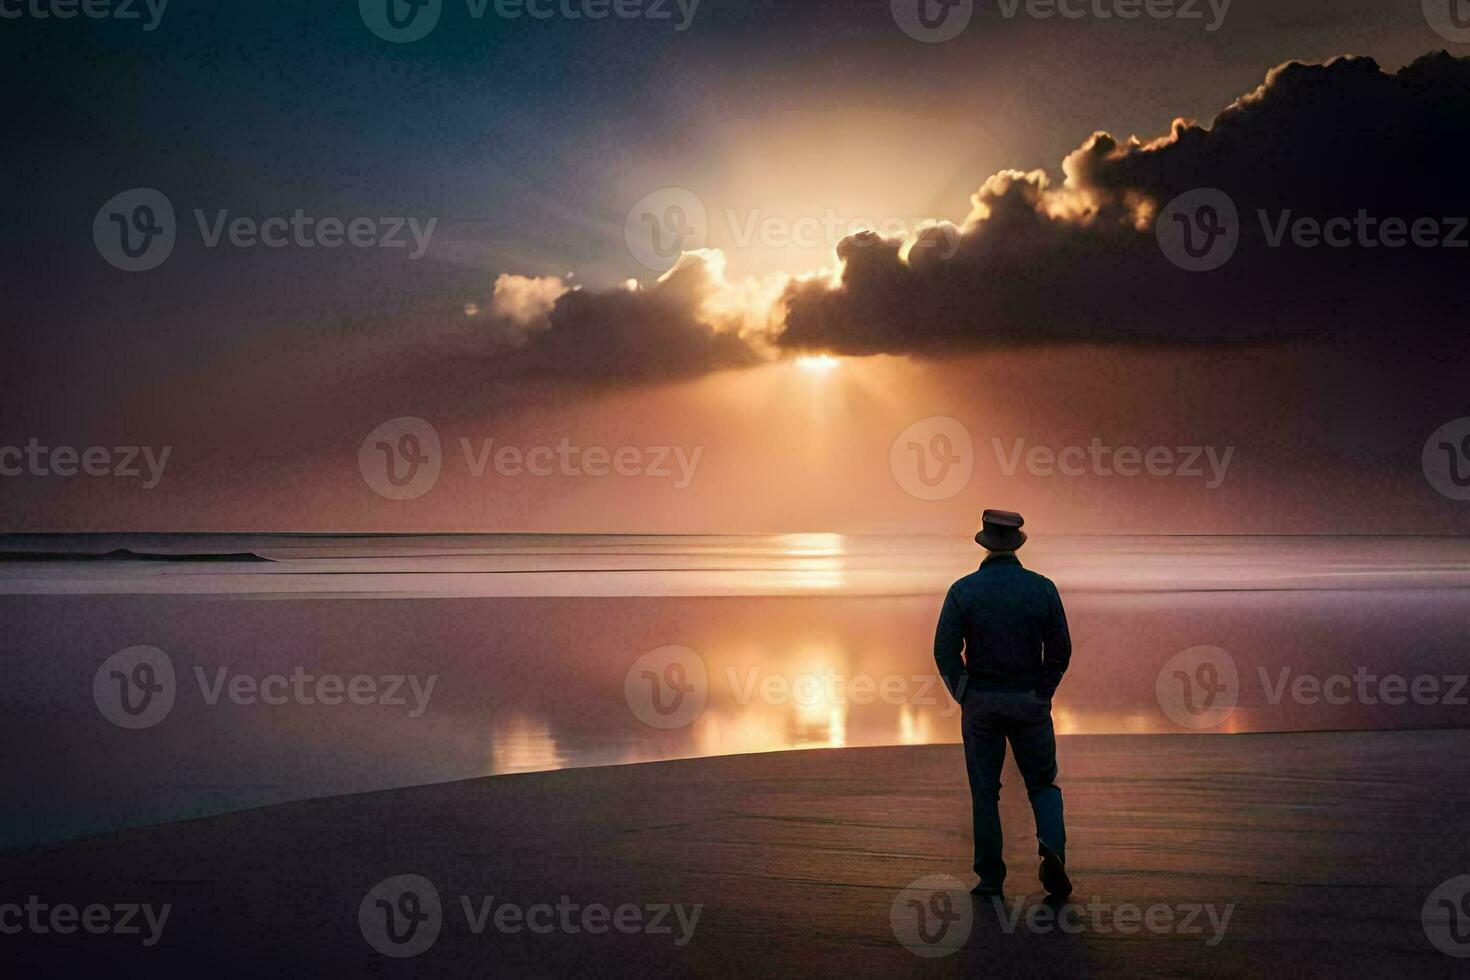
x=537 y=649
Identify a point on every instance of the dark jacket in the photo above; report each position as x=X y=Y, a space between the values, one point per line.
x=1011 y=625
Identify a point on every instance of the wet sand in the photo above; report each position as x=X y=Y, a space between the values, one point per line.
x=1325 y=846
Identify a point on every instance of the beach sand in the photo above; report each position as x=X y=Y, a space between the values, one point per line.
x=1324 y=847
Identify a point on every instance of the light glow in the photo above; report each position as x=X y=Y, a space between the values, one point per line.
x=818 y=363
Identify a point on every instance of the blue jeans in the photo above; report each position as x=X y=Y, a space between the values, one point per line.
x=989 y=719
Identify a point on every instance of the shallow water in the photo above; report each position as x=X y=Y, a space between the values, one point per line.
x=533 y=644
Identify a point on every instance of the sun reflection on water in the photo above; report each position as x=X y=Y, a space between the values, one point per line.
x=913 y=727
x=520 y=743
x=813 y=560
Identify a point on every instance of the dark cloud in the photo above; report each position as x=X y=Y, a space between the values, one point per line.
x=1042 y=262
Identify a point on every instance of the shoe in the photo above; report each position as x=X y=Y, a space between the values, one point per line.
x=1052 y=873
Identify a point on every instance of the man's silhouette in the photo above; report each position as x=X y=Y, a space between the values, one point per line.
x=1010 y=624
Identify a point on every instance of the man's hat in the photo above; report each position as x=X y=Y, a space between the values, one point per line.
x=1000 y=530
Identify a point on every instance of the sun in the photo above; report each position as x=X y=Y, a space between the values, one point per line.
x=818 y=363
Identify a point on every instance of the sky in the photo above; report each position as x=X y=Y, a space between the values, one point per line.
x=785 y=371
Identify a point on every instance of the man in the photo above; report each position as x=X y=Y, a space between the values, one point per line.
x=1010 y=623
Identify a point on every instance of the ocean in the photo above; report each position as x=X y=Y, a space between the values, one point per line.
x=159 y=676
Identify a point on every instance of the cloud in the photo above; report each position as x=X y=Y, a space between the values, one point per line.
x=689 y=322
x=1038 y=261
x=526 y=301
